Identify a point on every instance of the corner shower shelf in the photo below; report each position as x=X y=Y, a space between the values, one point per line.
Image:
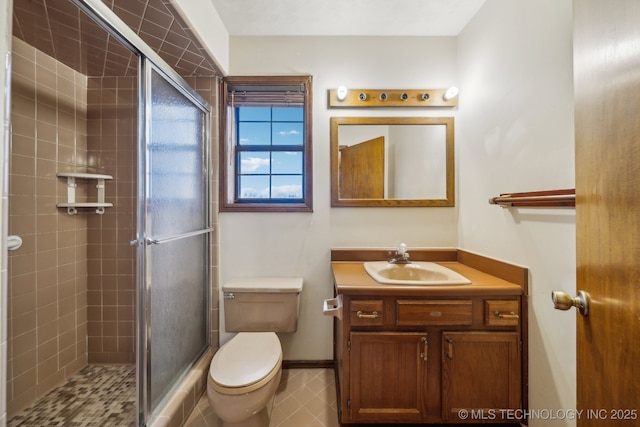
x=71 y=203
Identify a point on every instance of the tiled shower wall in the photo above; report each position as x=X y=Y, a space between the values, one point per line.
x=48 y=274
x=112 y=119
x=72 y=283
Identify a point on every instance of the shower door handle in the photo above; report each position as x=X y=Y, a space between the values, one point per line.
x=150 y=241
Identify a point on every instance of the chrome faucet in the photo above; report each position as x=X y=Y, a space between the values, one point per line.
x=402 y=256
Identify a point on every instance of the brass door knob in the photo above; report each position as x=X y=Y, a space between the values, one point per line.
x=563 y=301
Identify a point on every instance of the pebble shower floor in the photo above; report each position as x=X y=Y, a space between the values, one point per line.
x=98 y=395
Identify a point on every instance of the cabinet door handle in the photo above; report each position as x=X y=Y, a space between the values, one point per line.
x=449 y=352
x=509 y=315
x=425 y=348
x=361 y=315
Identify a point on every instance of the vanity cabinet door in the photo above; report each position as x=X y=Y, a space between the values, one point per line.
x=388 y=376
x=481 y=376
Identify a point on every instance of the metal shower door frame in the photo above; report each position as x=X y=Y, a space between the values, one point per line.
x=144 y=239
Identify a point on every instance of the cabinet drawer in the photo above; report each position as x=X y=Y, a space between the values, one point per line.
x=501 y=312
x=441 y=312
x=367 y=313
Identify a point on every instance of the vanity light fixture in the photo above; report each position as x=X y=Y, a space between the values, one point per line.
x=341 y=93
x=451 y=93
x=343 y=97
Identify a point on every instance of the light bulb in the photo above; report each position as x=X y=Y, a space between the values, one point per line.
x=341 y=93
x=451 y=93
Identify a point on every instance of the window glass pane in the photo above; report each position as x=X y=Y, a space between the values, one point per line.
x=254 y=187
x=250 y=133
x=286 y=187
x=254 y=114
x=288 y=114
x=254 y=162
x=289 y=162
x=287 y=134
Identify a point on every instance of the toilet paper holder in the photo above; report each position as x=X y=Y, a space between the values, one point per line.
x=333 y=307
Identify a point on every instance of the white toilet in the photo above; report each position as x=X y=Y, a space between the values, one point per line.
x=245 y=372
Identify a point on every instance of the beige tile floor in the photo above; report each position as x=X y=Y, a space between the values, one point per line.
x=305 y=398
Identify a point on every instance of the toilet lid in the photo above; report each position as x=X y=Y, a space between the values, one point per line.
x=246 y=359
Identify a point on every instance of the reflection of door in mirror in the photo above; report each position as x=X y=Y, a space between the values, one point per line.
x=362 y=170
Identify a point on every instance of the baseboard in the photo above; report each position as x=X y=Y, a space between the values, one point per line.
x=308 y=364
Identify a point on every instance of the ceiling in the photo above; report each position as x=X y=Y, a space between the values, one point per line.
x=59 y=29
x=346 y=17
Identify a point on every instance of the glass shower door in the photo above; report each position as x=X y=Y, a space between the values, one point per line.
x=176 y=223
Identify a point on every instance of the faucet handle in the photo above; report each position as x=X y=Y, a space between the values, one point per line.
x=402 y=256
x=402 y=249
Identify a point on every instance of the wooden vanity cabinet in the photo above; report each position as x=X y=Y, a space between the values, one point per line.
x=380 y=390
x=481 y=372
x=404 y=359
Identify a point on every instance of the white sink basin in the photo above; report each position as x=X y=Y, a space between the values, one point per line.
x=416 y=273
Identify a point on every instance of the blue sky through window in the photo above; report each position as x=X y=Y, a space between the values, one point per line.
x=270 y=143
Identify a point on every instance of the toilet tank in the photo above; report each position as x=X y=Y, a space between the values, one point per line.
x=263 y=304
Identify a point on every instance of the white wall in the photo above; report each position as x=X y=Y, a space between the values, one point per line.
x=208 y=27
x=298 y=244
x=515 y=133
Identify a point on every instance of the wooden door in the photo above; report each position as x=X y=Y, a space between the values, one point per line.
x=388 y=376
x=362 y=170
x=481 y=376
x=607 y=123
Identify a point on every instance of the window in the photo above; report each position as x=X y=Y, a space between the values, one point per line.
x=265 y=149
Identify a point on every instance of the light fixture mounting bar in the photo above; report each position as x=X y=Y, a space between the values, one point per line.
x=391 y=98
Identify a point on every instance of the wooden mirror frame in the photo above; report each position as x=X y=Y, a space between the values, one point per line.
x=448 y=201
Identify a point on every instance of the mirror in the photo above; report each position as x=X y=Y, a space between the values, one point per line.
x=392 y=161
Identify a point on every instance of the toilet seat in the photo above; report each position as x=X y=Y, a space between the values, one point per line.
x=245 y=363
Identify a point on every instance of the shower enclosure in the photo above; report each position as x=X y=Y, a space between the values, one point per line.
x=174 y=249
x=128 y=283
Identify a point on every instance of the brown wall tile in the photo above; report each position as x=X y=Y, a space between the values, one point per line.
x=45 y=336
x=47 y=349
x=22 y=344
x=23 y=382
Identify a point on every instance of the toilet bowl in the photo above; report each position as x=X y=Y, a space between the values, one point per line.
x=243 y=378
x=245 y=372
